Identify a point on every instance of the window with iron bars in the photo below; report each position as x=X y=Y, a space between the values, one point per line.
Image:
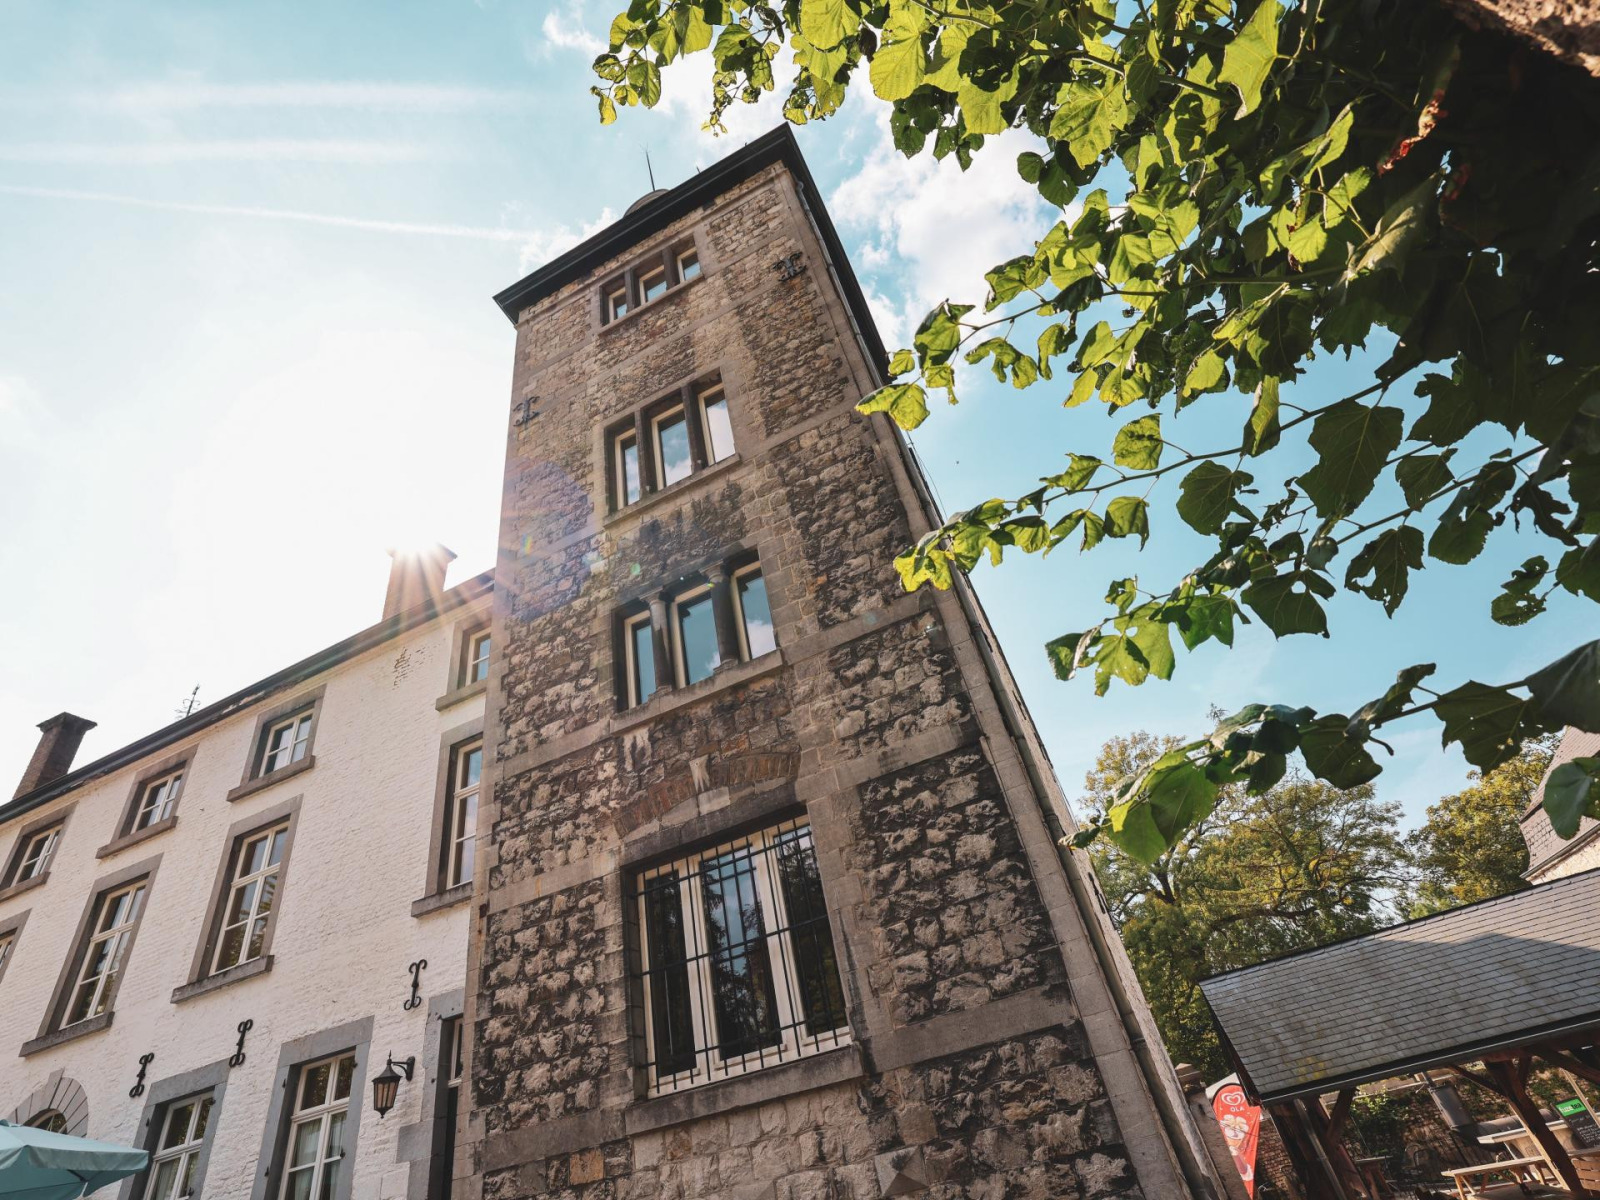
x=733 y=961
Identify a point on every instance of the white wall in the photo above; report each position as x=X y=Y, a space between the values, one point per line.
x=345 y=932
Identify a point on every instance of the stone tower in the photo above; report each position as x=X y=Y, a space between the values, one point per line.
x=772 y=904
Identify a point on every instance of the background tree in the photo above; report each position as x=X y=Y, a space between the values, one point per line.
x=1244 y=187
x=1471 y=846
x=1300 y=865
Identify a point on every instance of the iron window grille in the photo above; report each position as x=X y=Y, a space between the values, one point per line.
x=316 y=1148
x=157 y=800
x=183 y=1136
x=733 y=965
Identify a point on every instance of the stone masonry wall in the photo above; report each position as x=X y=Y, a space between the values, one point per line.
x=969 y=1072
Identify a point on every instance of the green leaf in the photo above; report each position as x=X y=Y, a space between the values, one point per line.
x=1089 y=114
x=1389 y=558
x=1489 y=722
x=1207 y=373
x=1421 y=475
x=1518 y=603
x=898 y=66
x=1061 y=652
x=906 y=403
x=1179 y=795
x=1132 y=828
x=1083 y=387
x=1353 y=441
x=1128 y=515
x=1394 y=701
x=608 y=110
x=1568 y=690
x=826 y=23
x=1331 y=753
x=1138 y=444
x=1284 y=607
x=1201 y=618
x=1261 y=430
x=1247 y=61
x=902 y=363
x=1570 y=795
x=939 y=335
x=1579 y=570
x=1206 y=496
x=1402 y=225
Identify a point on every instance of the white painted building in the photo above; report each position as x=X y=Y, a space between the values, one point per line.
x=283 y=862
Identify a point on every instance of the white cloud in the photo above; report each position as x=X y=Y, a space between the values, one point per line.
x=565 y=31
x=928 y=229
x=155 y=154
x=179 y=95
x=540 y=248
x=22 y=414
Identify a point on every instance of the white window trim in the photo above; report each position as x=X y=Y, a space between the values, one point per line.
x=189 y=1149
x=738 y=610
x=646 y=277
x=36 y=855
x=238 y=883
x=620 y=441
x=479 y=639
x=459 y=832
x=630 y=658
x=794 y=1043
x=451 y=1030
x=300 y=738
x=157 y=799
x=688 y=252
x=679 y=665
x=118 y=935
x=612 y=296
x=322 y=1113
x=8 y=941
x=657 y=420
x=704 y=397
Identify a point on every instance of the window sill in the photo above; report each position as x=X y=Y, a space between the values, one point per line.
x=672 y=489
x=743 y=1091
x=27 y=885
x=451 y=698
x=261 y=782
x=70 y=1033
x=449 y=898
x=117 y=845
x=644 y=306
x=724 y=677
x=222 y=979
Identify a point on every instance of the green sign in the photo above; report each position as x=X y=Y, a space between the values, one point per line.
x=1569 y=1108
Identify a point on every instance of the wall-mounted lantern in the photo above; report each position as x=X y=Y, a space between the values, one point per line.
x=386 y=1085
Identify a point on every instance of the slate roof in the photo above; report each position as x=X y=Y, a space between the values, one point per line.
x=1442 y=989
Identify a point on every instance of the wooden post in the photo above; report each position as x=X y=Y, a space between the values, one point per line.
x=1327 y=1133
x=1316 y=1172
x=1510 y=1078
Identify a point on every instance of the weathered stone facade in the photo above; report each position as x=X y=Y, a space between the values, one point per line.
x=995 y=1047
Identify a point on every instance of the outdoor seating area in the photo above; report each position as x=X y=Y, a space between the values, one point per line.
x=1486 y=993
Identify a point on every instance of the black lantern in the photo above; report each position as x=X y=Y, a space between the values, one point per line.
x=386 y=1086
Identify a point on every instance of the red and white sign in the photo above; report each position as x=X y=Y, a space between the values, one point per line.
x=1241 y=1126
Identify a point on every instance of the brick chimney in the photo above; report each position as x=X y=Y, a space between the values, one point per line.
x=415 y=576
x=59 y=739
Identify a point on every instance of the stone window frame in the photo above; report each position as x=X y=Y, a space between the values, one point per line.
x=51 y=1031
x=418 y=1144
x=160 y=1097
x=720 y=578
x=639 y=427
x=435 y=895
x=779 y=813
x=252 y=780
x=55 y=819
x=125 y=835
x=461 y=638
x=201 y=979
x=353 y=1037
x=10 y=935
x=668 y=258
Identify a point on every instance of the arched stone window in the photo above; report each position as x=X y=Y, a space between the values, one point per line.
x=58 y=1104
x=50 y=1120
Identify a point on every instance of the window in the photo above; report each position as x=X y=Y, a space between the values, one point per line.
x=694 y=630
x=625 y=469
x=756 y=636
x=736 y=964
x=316 y=1129
x=653 y=283
x=477 y=669
x=285 y=742
x=157 y=799
x=36 y=854
x=103 y=958
x=50 y=1120
x=461 y=816
x=8 y=939
x=449 y=1106
x=252 y=896
x=673 y=458
x=639 y=654
x=617 y=302
x=183 y=1136
x=715 y=424
x=688 y=264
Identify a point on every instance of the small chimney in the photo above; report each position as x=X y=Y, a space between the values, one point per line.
x=59 y=739
x=415 y=577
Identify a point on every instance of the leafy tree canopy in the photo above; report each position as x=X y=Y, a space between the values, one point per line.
x=1245 y=187
x=1471 y=846
x=1300 y=865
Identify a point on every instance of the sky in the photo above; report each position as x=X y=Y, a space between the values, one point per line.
x=247 y=343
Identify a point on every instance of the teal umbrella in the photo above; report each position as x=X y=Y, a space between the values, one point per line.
x=36 y=1165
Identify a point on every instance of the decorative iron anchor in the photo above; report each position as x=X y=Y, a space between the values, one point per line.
x=137 y=1089
x=238 y=1054
x=416 y=970
x=789 y=266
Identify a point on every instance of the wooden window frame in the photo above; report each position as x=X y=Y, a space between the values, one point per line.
x=322 y=1114
x=625 y=290
x=272 y=868
x=55 y=821
x=630 y=653
x=192 y=1148
x=254 y=779
x=740 y=624
x=689 y=595
x=480 y=636
x=456 y=833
